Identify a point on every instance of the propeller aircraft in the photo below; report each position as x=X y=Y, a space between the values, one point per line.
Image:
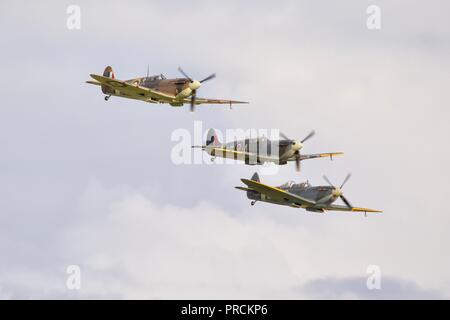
x=156 y=89
x=258 y=151
x=301 y=195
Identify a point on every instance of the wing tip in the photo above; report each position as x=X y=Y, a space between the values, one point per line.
x=333 y=154
x=366 y=210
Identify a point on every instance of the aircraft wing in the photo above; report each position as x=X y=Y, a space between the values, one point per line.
x=278 y=194
x=214 y=101
x=131 y=90
x=336 y=207
x=316 y=155
x=241 y=155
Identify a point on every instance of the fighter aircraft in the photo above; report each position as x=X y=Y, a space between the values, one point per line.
x=156 y=89
x=259 y=150
x=300 y=195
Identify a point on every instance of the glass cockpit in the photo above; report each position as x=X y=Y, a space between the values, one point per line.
x=287 y=185
x=304 y=185
x=155 y=78
x=290 y=184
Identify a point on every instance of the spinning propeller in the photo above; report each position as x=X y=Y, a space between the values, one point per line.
x=297 y=145
x=194 y=85
x=337 y=191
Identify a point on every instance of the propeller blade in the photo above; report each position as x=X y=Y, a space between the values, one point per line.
x=346 y=201
x=208 y=78
x=297 y=163
x=328 y=181
x=194 y=94
x=345 y=180
x=312 y=133
x=284 y=136
x=184 y=74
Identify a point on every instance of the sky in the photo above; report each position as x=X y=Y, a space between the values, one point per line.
x=91 y=183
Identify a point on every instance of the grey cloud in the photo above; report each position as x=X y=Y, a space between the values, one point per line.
x=355 y=288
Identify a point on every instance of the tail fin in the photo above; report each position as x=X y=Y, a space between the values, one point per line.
x=255 y=177
x=211 y=138
x=253 y=194
x=108 y=72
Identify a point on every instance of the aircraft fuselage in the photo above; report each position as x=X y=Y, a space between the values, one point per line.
x=263 y=149
x=303 y=190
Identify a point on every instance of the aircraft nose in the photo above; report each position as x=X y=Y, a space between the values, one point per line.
x=337 y=192
x=194 y=85
x=297 y=145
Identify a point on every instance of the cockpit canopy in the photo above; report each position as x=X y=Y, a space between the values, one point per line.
x=288 y=184
x=155 y=78
x=291 y=184
x=304 y=184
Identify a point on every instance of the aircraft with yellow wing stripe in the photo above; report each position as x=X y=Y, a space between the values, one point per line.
x=156 y=89
x=300 y=195
x=258 y=151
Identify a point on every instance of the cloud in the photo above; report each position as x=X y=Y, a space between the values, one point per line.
x=172 y=252
x=355 y=288
x=129 y=247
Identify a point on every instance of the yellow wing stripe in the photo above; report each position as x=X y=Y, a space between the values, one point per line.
x=241 y=153
x=365 y=210
x=229 y=151
x=334 y=207
x=330 y=154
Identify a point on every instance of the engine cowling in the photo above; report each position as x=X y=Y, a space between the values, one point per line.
x=184 y=93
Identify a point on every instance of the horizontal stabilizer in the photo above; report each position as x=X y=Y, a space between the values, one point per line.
x=94 y=82
x=244 y=189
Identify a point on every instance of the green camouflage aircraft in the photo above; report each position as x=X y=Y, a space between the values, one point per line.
x=300 y=195
x=257 y=151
